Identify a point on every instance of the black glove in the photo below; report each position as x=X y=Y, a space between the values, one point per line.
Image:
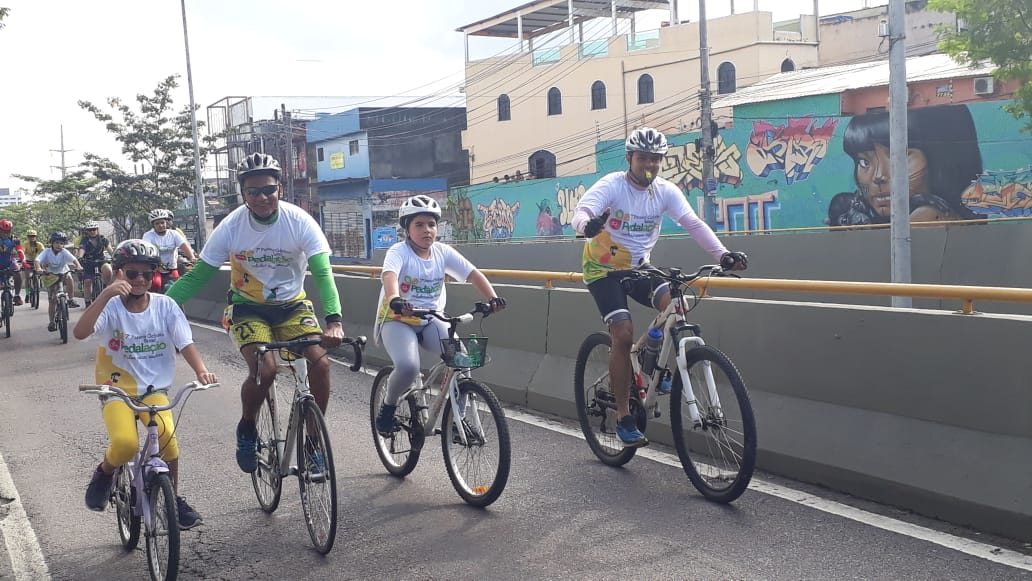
x=734 y=261
x=595 y=225
x=497 y=304
x=399 y=305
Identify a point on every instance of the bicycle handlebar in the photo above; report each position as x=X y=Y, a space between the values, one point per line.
x=674 y=275
x=112 y=391
x=478 y=307
x=296 y=345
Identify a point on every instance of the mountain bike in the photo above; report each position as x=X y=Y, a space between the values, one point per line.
x=61 y=310
x=34 y=289
x=477 y=449
x=143 y=491
x=712 y=420
x=7 y=299
x=306 y=434
x=97 y=285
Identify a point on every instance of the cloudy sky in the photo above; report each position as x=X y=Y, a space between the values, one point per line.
x=56 y=52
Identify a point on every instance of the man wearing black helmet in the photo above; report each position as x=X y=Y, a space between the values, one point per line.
x=268 y=244
x=621 y=216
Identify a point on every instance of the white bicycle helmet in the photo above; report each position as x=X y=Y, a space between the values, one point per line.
x=135 y=250
x=648 y=140
x=420 y=204
x=90 y=225
x=159 y=214
x=258 y=164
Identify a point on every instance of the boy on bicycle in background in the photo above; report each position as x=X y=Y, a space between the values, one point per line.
x=413 y=278
x=621 y=216
x=56 y=263
x=139 y=333
x=92 y=252
x=33 y=248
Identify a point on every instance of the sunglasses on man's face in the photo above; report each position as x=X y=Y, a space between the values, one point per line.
x=262 y=191
x=132 y=274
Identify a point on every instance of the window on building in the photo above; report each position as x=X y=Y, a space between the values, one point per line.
x=504 y=114
x=319 y=154
x=598 y=95
x=787 y=65
x=646 y=90
x=542 y=164
x=353 y=147
x=555 y=102
x=726 y=78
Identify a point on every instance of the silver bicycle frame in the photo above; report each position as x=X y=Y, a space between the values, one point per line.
x=285 y=445
x=429 y=415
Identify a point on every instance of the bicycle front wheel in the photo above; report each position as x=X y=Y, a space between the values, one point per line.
x=398 y=452
x=596 y=403
x=62 y=319
x=34 y=292
x=718 y=449
x=5 y=311
x=163 y=534
x=316 y=476
x=268 y=484
x=125 y=505
x=478 y=468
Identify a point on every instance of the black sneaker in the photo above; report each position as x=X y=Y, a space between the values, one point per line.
x=188 y=517
x=52 y=327
x=385 y=423
x=72 y=304
x=99 y=490
x=247 y=447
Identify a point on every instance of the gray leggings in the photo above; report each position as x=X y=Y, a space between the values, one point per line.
x=402 y=343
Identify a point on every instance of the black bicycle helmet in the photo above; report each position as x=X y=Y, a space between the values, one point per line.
x=58 y=236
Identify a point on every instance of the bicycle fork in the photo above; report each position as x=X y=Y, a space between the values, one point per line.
x=689 y=390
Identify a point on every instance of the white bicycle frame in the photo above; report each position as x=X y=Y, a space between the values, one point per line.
x=671 y=316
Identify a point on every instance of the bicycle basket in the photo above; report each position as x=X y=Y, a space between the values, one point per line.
x=464 y=352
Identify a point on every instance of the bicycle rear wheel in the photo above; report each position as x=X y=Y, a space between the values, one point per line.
x=268 y=484
x=6 y=306
x=316 y=476
x=596 y=403
x=400 y=451
x=62 y=318
x=478 y=469
x=125 y=504
x=163 y=536
x=719 y=453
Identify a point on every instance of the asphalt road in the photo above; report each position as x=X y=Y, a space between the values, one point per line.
x=563 y=514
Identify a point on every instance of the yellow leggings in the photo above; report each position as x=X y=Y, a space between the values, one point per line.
x=121 y=427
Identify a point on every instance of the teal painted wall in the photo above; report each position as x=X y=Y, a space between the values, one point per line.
x=779 y=166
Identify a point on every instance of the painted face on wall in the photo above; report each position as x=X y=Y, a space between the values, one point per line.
x=873 y=177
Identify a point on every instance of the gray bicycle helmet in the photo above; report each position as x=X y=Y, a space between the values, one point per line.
x=648 y=140
x=135 y=250
x=258 y=164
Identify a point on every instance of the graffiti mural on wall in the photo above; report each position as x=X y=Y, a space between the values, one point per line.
x=458 y=220
x=744 y=213
x=795 y=147
x=547 y=224
x=1007 y=194
x=683 y=165
x=567 y=199
x=499 y=219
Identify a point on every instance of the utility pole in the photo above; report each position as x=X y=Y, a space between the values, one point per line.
x=898 y=164
x=199 y=192
x=709 y=184
x=62 y=151
x=288 y=152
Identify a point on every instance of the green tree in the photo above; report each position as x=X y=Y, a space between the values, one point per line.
x=3 y=14
x=153 y=137
x=999 y=31
x=63 y=204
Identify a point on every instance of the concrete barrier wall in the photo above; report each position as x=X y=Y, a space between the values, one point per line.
x=931 y=411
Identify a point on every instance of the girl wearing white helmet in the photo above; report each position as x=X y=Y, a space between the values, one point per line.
x=413 y=277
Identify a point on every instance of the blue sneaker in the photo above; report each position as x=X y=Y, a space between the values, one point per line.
x=247 y=447
x=629 y=434
x=385 y=422
x=316 y=463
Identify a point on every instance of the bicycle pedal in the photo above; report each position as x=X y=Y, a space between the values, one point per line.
x=437 y=431
x=657 y=414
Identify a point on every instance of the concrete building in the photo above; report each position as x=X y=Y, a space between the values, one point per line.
x=855 y=36
x=8 y=199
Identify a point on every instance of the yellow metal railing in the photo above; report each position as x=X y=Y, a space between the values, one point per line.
x=966 y=294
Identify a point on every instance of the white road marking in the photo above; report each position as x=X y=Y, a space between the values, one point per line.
x=22 y=546
x=963 y=545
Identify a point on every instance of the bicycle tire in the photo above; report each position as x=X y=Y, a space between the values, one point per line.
x=318 y=484
x=62 y=319
x=719 y=468
x=5 y=311
x=267 y=481
x=476 y=486
x=399 y=452
x=163 y=561
x=596 y=405
x=34 y=291
x=124 y=497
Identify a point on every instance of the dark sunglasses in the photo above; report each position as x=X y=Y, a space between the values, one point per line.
x=132 y=274
x=262 y=191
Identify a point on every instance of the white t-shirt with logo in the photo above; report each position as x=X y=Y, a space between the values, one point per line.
x=139 y=349
x=634 y=222
x=167 y=244
x=58 y=263
x=268 y=262
x=421 y=280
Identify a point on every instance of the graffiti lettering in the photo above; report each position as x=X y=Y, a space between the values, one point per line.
x=683 y=165
x=567 y=199
x=1001 y=194
x=745 y=213
x=499 y=218
x=794 y=148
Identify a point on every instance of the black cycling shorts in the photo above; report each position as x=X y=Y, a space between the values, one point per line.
x=611 y=296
